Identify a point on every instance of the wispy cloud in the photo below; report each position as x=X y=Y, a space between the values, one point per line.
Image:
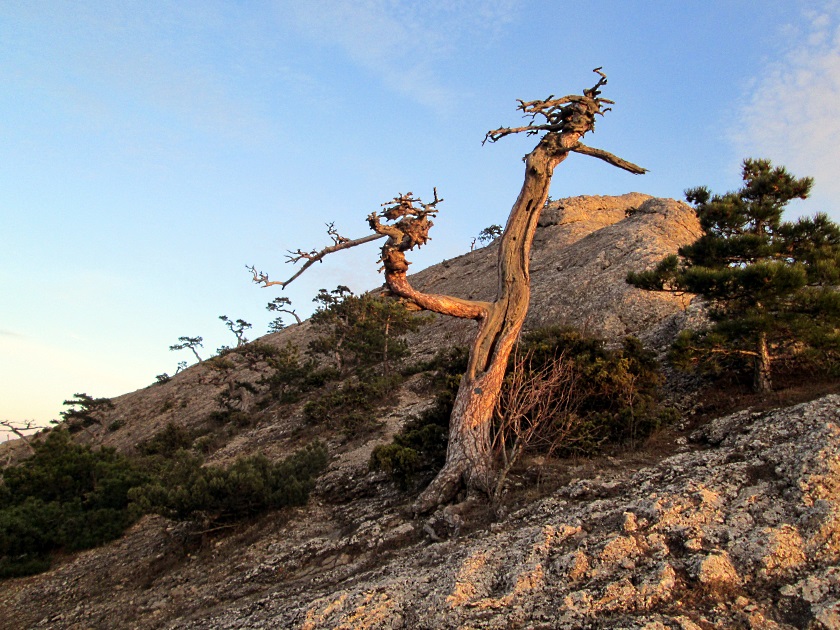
x=402 y=42
x=792 y=113
x=9 y=333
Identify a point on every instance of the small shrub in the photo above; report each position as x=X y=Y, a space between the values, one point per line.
x=617 y=398
x=168 y=441
x=352 y=404
x=66 y=496
x=186 y=490
x=290 y=376
x=221 y=362
x=230 y=417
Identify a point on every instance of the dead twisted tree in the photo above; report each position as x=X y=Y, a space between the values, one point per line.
x=405 y=222
x=22 y=429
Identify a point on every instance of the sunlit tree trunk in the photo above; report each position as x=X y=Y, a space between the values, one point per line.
x=405 y=222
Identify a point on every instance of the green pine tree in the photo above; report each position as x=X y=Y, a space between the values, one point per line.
x=361 y=331
x=771 y=285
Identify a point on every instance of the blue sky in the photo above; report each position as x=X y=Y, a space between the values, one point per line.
x=149 y=151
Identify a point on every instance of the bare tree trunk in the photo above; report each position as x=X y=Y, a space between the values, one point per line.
x=762 y=381
x=469 y=455
x=405 y=222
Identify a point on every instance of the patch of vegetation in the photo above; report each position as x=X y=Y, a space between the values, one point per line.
x=352 y=404
x=66 y=496
x=615 y=400
x=616 y=397
x=291 y=376
x=185 y=489
x=361 y=332
x=168 y=441
x=420 y=447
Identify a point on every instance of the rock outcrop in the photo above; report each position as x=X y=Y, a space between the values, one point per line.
x=740 y=529
x=736 y=525
x=583 y=249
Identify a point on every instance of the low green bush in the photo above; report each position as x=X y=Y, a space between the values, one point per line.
x=351 y=404
x=168 y=441
x=66 y=496
x=185 y=489
x=292 y=376
x=617 y=396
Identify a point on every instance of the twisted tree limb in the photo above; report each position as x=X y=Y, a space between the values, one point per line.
x=311 y=258
x=405 y=222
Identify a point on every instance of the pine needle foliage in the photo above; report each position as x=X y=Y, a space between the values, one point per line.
x=771 y=285
x=616 y=400
x=185 y=489
x=66 y=496
x=360 y=332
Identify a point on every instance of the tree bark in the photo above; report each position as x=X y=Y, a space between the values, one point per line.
x=405 y=222
x=762 y=381
x=469 y=455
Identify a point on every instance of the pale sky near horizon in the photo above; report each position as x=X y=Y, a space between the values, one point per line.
x=149 y=151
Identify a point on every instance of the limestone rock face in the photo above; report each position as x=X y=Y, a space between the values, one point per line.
x=741 y=533
x=583 y=249
x=739 y=530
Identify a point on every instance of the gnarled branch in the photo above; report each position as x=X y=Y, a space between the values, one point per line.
x=572 y=113
x=20 y=428
x=609 y=158
x=405 y=220
x=312 y=257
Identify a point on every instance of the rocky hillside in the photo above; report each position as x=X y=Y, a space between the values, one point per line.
x=733 y=525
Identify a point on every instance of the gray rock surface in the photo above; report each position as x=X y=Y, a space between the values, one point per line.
x=738 y=527
x=583 y=249
x=741 y=529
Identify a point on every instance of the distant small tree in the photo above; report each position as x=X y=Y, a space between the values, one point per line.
x=85 y=411
x=771 y=285
x=238 y=329
x=486 y=235
x=280 y=305
x=489 y=233
x=189 y=343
